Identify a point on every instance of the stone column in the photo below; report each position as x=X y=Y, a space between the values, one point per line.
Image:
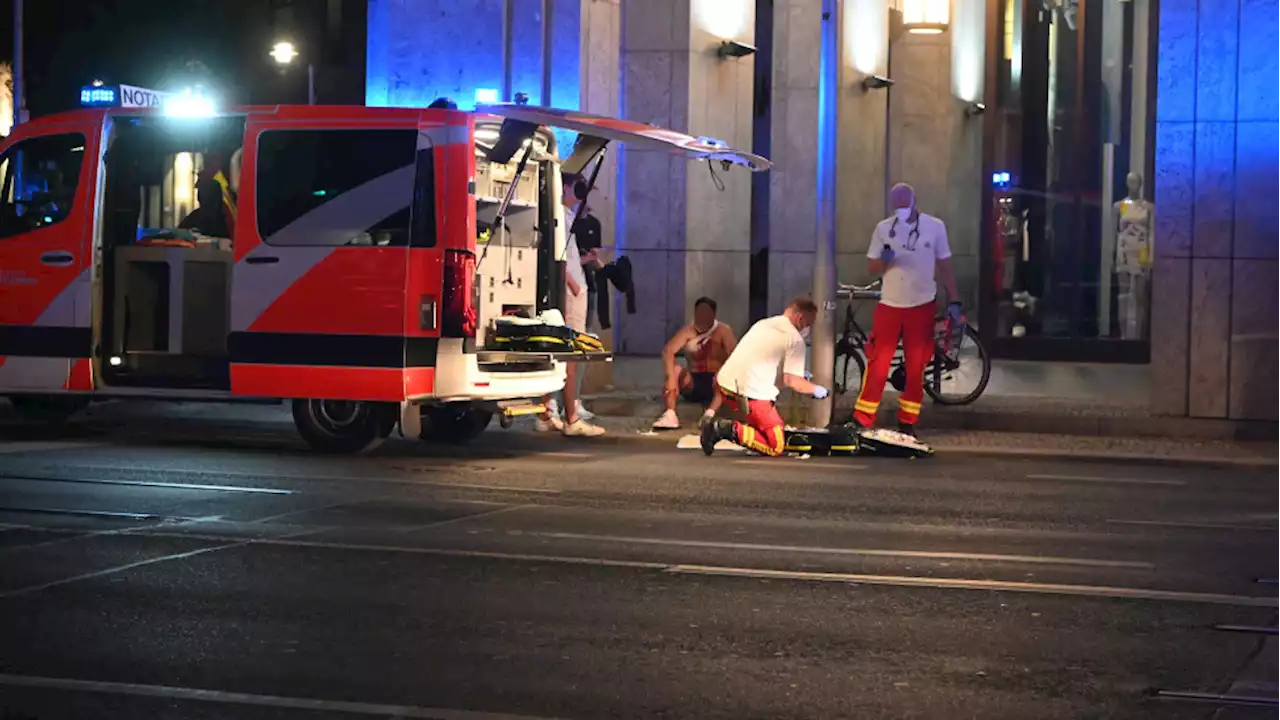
x=684 y=235
x=933 y=144
x=1214 y=295
x=793 y=181
x=863 y=134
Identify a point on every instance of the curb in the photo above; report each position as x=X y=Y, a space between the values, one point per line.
x=1025 y=419
x=1118 y=457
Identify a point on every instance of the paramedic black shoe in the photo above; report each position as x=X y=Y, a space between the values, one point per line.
x=907 y=429
x=713 y=432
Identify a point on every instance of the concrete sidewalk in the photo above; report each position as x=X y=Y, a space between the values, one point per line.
x=1022 y=397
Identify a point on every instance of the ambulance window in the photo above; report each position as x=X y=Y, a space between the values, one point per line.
x=335 y=187
x=40 y=176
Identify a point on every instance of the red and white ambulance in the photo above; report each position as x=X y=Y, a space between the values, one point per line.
x=350 y=260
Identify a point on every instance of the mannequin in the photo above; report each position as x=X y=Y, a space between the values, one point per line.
x=1135 y=221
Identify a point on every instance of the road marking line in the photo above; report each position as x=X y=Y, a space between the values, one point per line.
x=1102 y=479
x=323 y=478
x=967 y=584
x=1218 y=698
x=774 y=462
x=37 y=446
x=557 y=454
x=924 y=554
x=473 y=516
x=105 y=514
x=234 y=698
x=112 y=570
x=150 y=483
x=904 y=581
x=1194 y=525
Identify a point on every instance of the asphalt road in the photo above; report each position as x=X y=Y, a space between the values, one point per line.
x=209 y=568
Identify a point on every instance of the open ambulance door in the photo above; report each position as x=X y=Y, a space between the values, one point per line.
x=595 y=133
x=49 y=172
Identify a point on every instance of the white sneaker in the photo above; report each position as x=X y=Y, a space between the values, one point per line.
x=583 y=413
x=668 y=421
x=553 y=408
x=582 y=428
x=551 y=423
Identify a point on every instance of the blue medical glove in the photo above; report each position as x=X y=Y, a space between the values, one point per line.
x=819 y=392
x=887 y=255
x=955 y=311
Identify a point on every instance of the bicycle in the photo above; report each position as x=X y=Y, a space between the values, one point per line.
x=945 y=365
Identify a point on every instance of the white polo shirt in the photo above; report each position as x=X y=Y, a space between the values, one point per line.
x=909 y=281
x=752 y=368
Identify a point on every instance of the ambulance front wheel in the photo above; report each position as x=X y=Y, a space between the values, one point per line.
x=49 y=410
x=344 y=426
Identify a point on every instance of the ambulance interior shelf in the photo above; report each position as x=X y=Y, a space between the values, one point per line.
x=166 y=289
x=507 y=271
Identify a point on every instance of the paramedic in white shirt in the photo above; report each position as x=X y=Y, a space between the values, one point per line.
x=748 y=380
x=910 y=250
x=575 y=316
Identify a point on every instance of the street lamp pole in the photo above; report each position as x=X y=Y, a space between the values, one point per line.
x=824 y=271
x=19 y=98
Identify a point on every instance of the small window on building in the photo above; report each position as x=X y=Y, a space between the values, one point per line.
x=41 y=176
x=335 y=187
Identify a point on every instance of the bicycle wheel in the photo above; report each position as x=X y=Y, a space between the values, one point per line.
x=850 y=368
x=962 y=381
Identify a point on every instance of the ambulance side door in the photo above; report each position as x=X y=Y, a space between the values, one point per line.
x=46 y=208
x=321 y=250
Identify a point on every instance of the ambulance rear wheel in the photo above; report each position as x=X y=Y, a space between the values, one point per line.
x=47 y=409
x=454 y=425
x=344 y=426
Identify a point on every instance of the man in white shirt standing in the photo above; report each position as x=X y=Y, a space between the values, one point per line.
x=748 y=380
x=575 y=316
x=910 y=250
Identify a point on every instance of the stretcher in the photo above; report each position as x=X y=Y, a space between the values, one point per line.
x=836 y=440
x=843 y=440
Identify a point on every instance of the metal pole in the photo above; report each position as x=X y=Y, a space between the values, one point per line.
x=508 y=40
x=311 y=84
x=19 y=99
x=824 y=270
x=547 y=9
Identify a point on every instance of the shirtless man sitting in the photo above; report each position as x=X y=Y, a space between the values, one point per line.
x=706 y=343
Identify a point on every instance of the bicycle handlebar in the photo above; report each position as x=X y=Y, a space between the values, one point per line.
x=859 y=292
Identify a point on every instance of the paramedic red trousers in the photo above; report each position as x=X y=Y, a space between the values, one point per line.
x=763 y=430
x=915 y=326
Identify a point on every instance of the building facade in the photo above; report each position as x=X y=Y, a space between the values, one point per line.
x=1106 y=168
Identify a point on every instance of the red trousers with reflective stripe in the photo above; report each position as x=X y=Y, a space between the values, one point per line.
x=915 y=326
x=763 y=430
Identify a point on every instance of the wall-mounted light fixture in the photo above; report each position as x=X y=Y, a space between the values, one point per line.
x=974 y=109
x=876 y=82
x=925 y=17
x=733 y=48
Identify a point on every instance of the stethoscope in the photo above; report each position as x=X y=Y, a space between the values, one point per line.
x=912 y=237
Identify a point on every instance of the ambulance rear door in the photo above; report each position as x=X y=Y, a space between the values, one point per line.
x=49 y=171
x=321 y=254
x=595 y=133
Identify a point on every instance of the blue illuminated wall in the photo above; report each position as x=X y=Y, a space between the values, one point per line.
x=1214 y=300
x=421 y=50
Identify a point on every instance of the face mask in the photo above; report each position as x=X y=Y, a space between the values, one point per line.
x=904 y=214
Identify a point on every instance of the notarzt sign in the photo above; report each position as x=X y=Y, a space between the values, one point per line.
x=136 y=97
x=125 y=96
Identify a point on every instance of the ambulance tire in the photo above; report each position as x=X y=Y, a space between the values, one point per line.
x=452 y=425
x=47 y=410
x=344 y=426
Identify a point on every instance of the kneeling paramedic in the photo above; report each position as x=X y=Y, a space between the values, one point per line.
x=909 y=249
x=748 y=379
